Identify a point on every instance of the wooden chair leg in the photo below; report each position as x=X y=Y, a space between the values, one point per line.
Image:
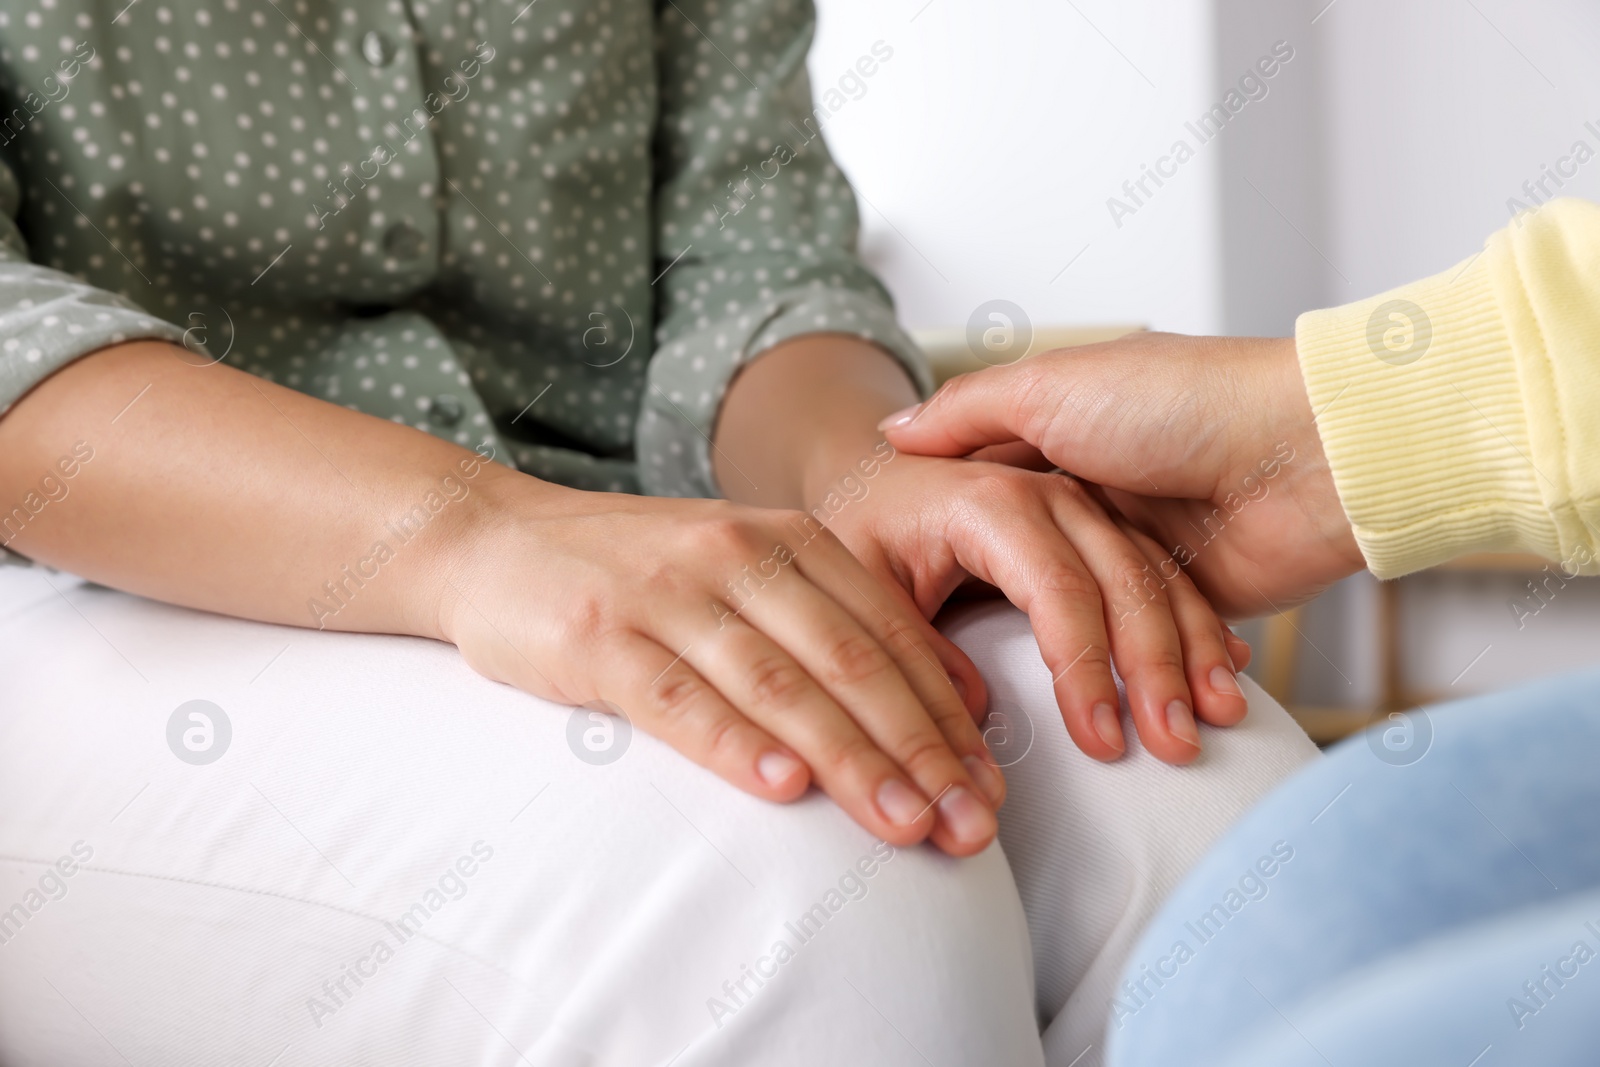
x=1281 y=657
x=1390 y=672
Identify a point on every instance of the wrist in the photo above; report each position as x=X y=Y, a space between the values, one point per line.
x=1311 y=481
x=500 y=505
x=798 y=417
x=843 y=453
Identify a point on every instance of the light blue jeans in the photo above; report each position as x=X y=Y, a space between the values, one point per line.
x=1429 y=894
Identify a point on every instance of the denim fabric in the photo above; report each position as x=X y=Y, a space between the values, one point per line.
x=1429 y=894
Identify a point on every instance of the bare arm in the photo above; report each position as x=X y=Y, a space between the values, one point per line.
x=800 y=417
x=214 y=489
x=211 y=488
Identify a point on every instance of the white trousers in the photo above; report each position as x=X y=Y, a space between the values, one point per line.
x=360 y=852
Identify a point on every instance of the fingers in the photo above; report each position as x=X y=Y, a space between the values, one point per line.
x=944 y=679
x=1239 y=650
x=964 y=674
x=938 y=651
x=1015 y=454
x=971 y=411
x=867 y=731
x=773 y=690
x=1024 y=554
x=1140 y=627
x=1131 y=413
x=672 y=701
x=1093 y=596
x=1140 y=623
x=1207 y=660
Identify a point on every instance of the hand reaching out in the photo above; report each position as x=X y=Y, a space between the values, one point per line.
x=1208 y=445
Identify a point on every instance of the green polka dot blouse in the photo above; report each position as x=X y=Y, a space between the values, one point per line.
x=554 y=225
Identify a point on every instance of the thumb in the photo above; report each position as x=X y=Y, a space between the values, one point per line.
x=969 y=412
x=1060 y=407
x=1108 y=413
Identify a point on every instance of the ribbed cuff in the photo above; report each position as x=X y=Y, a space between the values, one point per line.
x=1423 y=418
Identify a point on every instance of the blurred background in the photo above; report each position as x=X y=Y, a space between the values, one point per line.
x=1395 y=137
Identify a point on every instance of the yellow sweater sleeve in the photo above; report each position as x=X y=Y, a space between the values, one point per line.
x=1462 y=413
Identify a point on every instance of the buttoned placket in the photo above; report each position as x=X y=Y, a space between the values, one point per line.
x=402 y=227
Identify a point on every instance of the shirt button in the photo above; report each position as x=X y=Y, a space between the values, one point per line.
x=402 y=241
x=377 y=49
x=445 y=410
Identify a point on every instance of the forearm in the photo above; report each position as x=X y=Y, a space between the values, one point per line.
x=802 y=415
x=214 y=489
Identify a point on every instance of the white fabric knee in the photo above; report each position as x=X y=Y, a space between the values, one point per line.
x=395 y=861
x=1096 y=847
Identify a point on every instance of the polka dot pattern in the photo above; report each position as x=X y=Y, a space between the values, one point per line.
x=559 y=227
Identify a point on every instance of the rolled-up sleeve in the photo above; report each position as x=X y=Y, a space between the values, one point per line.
x=755 y=226
x=49 y=318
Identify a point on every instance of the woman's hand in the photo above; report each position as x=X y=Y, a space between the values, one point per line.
x=749 y=639
x=1209 y=445
x=1094 y=589
x=811 y=671
x=797 y=429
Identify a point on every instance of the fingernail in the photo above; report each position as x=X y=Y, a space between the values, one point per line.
x=1180 y=720
x=1108 y=724
x=988 y=777
x=965 y=815
x=775 y=768
x=899 y=804
x=901 y=417
x=1223 y=681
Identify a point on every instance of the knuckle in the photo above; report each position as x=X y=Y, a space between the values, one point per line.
x=589 y=619
x=1171 y=573
x=1008 y=486
x=1166 y=659
x=1140 y=583
x=724 y=534
x=1070 y=583
x=854 y=658
x=1071 y=489
x=776 y=682
x=1084 y=662
x=924 y=752
x=676 y=695
x=722 y=738
x=851 y=753
x=1035 y=401
x=955 y=722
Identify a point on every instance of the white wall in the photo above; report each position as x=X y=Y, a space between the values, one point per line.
x=1274 y=186
x=1436 y=112
x=984 y=151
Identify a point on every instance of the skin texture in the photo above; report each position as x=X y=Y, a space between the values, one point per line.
x=216 y=490
x=1208 y=445
x=927 y=526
